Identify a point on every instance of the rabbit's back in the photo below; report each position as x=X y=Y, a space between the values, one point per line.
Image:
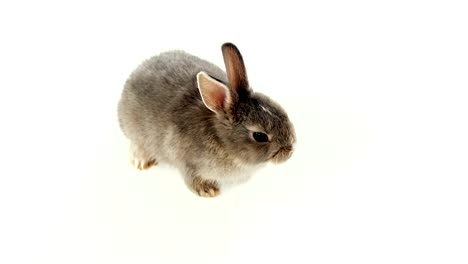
x=161 y=79
x=157 y=87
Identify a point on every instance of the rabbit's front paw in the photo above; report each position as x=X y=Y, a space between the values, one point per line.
x=205 y=188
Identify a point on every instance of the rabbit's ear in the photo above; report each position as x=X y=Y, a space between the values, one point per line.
x=215 y=95
x=235 y=68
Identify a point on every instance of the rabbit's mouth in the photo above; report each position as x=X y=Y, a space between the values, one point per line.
x=282 y=155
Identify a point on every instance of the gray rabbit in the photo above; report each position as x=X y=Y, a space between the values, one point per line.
x=179 y=109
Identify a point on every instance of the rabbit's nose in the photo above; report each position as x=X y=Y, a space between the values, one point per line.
x=288 y=150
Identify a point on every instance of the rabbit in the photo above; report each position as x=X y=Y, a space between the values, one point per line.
x=184 y=111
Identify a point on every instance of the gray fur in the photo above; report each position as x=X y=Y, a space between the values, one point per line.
x=163 y=115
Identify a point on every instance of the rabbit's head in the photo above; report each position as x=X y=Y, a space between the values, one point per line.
x=251 y=126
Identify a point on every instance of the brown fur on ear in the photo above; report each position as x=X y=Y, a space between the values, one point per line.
x=235 y=68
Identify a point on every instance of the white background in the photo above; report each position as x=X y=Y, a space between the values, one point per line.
x=377 y=91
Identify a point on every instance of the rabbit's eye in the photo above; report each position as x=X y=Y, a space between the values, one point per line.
x=260 y=137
